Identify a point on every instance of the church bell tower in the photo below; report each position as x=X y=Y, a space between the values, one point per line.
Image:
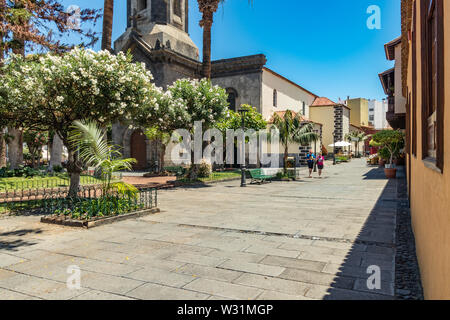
x=166 y=12
x=160 y=23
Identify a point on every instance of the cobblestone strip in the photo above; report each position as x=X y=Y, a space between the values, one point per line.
x=408 y=285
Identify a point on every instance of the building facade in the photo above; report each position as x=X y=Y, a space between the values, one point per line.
x=359 y=111
x=157 y=34
x=377 y=114
x=335 y=120
x=392 y=81
x=426 y=70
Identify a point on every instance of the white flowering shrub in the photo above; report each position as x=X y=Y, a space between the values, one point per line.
x=52 y=91
x=202 y=101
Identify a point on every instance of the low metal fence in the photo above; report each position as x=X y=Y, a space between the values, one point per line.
x=89 y=202
x=9 y=185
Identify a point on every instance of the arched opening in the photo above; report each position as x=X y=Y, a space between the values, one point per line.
x=232 y=99
x=177 y=5
x=138 y=149
x=275 y=98
x=142 y=5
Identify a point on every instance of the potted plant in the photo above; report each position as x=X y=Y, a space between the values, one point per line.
x=391 y=142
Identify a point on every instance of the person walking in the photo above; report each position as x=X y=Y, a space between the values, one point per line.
x=310 y=159
x=320 y=163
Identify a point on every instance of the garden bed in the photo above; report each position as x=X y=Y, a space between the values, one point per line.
x=96 y=221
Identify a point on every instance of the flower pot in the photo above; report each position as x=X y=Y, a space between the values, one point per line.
x=382 y=162
x=391 y=173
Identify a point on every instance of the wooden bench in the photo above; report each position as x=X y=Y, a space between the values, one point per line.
x=257 y=176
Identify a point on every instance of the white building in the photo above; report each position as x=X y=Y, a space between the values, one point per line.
x=377 y=114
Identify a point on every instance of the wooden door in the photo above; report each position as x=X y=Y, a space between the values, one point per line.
x=139 y=149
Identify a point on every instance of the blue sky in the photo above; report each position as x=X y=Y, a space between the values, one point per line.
x=325 y=46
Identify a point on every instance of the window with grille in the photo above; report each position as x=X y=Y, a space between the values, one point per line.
x=177 y=8
x=433 y=81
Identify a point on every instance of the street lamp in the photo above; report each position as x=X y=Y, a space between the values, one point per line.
x=334 y=148
x=243 y=112
x=315 y=151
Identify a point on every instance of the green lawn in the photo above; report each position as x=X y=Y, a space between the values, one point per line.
x=10 y=184
x=216 y=176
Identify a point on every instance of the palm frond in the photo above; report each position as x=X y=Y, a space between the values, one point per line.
x=90 y=142
x=125 y=189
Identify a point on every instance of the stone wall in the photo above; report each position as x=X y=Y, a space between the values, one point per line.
x=247 y=86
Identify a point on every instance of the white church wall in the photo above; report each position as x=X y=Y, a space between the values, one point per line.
x=289 y=96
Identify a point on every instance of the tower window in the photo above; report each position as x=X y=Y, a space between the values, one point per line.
x=304 y=109
x=142 y=5
x=177 y=7
x=275 y=98
x=232 y=95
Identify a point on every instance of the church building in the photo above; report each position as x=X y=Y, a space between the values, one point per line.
x=157 y=34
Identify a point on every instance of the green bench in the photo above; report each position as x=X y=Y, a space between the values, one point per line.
x=259 y=177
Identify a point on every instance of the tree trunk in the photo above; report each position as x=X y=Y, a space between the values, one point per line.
x=161 y=157
x=207 y=25
x=15 y=148
x=74 y=170
x=286 y=154
x=2 y=149
x=193 y=170
x=108 y=14
x=56 y=152
x=33 y=160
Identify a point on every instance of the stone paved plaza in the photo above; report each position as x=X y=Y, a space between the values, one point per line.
x=311 y=239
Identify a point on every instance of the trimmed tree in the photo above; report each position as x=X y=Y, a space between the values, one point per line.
x=55 y=90
x=203 y=102
x=392 y=141
x=161 y=118
x=252 y=118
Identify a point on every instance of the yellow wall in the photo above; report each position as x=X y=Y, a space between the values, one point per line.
x=359 y=114
x=325 y=116
x=430 y=192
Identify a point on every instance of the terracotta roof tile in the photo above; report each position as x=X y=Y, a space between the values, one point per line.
x=282 y=113
x=323 y=101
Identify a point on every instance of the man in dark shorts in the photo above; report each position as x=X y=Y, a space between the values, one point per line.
x=310 y=159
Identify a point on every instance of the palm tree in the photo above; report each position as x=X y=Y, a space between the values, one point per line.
x=108 y=15
x=356 y=137
x=94 y=151
x=208 y=8
x=293 y=130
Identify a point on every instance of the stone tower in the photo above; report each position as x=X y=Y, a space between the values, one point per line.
x=159 y=24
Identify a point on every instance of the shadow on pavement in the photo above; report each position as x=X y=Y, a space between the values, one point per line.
x=21 y=232
x=11 y=240
x=373 y=249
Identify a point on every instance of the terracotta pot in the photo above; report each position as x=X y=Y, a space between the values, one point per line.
x=382 y=162
x=391 y=173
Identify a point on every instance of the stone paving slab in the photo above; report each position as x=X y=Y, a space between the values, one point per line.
x=312 y=239
x=224 y=289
